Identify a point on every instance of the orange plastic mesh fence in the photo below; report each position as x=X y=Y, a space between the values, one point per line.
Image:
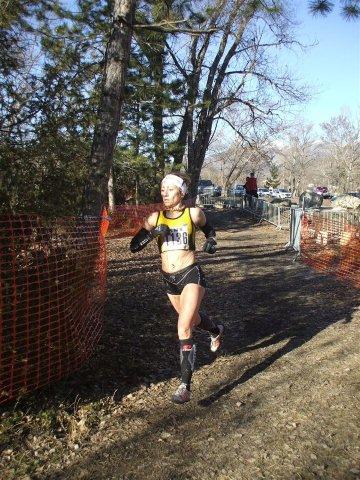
x=330 y=242
x=126 y=220
x=52 y=292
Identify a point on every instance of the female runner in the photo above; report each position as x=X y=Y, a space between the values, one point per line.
x=174 y=229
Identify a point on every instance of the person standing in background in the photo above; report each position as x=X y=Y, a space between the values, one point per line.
x=251 y=185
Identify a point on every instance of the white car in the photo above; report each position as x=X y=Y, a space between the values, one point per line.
x=281 y=193
x=239 y=190
x=263 y=192
x=205 y=187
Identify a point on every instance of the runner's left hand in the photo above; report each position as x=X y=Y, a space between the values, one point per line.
x=210 y=245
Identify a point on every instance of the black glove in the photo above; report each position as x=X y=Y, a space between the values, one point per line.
x=143 y=237
x=160 y=231
x=210 y=245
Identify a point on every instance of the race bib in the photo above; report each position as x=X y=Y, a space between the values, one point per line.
x=177 y=239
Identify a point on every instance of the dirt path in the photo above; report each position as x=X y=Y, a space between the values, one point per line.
x=280 y=401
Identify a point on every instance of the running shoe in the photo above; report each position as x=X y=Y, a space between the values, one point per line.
x=215 y=342
x=182 y=394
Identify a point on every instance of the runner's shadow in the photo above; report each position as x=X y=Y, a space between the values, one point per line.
x=294 y=306
x=251 y=372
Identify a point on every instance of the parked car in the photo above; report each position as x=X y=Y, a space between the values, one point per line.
x=263 y=192
x=274 y=192
x=281 y=193
x=205 y=187
x=322 y=191
x=354 y=194
x=239 y=190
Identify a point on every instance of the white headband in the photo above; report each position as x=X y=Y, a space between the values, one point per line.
x=175 y=180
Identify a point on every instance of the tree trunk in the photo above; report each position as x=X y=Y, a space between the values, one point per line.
x=198 y=150
x=158 y=115
x=199 y=138
x=112 y=95
x=159 y=138
x=136 y=189
x=180 y=148
x=111 y=191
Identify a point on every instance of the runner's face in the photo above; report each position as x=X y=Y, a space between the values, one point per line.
x=171 y=195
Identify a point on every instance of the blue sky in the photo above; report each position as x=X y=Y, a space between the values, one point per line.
x=332 y=66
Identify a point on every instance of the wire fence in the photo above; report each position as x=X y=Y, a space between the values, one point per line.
x=126 y=220
x=52 y=292
x=330 y=242
x=277 y=215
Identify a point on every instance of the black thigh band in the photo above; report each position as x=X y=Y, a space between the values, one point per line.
x=175 y=282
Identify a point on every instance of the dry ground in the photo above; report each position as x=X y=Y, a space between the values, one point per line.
x=280 y=401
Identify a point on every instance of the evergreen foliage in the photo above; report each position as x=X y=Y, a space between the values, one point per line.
x=273 y=181
x=49 y=85
x=350 y=9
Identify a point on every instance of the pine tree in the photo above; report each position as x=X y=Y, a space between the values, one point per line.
x=273 y=181
x=350 y=9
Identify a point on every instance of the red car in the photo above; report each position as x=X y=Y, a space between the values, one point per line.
x=322 y=191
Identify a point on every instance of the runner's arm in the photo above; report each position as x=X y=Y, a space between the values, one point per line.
x=147 y=233
x=199 y=219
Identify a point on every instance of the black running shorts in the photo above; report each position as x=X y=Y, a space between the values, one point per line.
x=175 y=282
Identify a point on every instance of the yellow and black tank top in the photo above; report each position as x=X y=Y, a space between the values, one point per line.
x=182 y=232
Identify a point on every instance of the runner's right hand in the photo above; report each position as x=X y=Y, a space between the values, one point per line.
x=160 y=231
